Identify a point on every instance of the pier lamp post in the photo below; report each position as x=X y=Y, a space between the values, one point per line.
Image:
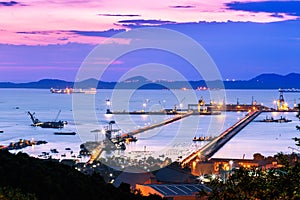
x=108 y=104
x=230 y=164
x=181 y=105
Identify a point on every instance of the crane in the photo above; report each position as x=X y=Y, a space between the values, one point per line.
x=57 y=115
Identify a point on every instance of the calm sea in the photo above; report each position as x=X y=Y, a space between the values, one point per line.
x=173 y=140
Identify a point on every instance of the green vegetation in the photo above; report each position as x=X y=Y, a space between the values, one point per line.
x=24 y=177
x=281 y=183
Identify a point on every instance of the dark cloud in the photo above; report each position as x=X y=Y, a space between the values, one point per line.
x=37 y=32
x=182 y=6
x=9 y=3
x=288 y=7
x=143 y=22
x=119 y=15
x=107 y=33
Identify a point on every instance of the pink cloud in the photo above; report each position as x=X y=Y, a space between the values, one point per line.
x=45 y=16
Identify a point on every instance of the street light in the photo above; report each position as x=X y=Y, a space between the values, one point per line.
x=230 y=164
x=108 y=104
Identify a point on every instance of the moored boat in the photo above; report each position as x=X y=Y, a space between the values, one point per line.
x=195 y=139
x=271 y=119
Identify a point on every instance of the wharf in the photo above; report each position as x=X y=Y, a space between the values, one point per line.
x=164 y=112
x=211 y=148
x=152 y=126
x=96 y=152
x=211 y=109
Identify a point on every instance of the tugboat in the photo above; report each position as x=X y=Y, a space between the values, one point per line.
x=52 y=124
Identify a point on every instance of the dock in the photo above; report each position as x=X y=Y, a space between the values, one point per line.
x=152 y=126
x=96 y=152
x=211 y=148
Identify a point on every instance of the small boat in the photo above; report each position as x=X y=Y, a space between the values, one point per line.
x=65 y=133
x=1 y=131
x=53 y=151
x=195 y=139
x=283 y=120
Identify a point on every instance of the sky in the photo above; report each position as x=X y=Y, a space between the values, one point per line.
x=50 y=39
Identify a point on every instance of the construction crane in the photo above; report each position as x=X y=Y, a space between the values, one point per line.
x=57 y=116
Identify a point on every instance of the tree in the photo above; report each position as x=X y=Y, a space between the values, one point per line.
x=280 y=183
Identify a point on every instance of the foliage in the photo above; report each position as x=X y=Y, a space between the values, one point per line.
x=254 y=183
x=26 y=176
x=7 y=193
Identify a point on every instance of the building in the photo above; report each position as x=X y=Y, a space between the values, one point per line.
x=174 y=191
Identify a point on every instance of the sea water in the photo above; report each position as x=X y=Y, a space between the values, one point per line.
x=174 y=139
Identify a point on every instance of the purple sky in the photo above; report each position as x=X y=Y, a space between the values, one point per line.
x=50 y=39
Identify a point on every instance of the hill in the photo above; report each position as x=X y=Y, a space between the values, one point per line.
x=263 y=81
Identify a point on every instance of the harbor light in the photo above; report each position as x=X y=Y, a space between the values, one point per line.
x=181 y=105
x=108 y=103
x=230 y=164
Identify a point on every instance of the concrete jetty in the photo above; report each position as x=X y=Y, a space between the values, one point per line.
x=96 y=152
x=152 y=126
x=211 y=148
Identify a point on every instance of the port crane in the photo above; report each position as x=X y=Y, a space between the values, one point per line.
x=49 y=124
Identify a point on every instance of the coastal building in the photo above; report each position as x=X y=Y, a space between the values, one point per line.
x=218 y=165
x=174 y=191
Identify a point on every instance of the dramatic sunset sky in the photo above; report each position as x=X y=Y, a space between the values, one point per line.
x=50 y=39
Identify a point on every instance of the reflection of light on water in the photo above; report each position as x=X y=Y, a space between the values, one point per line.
x=221 y=117
x=108 y=116
x=144 y=117
x=275 y=114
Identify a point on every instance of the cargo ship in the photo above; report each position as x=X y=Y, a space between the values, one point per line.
x=72 y=90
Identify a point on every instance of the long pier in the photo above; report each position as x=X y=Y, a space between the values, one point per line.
x=211 y=148
x=98 y=150
x=152 y=126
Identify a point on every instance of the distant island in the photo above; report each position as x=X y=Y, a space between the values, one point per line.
x=263 y=81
